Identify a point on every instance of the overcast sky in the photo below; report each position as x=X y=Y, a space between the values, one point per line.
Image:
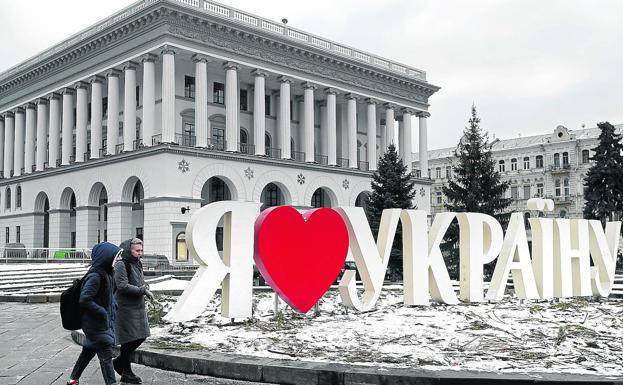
x=527 y=65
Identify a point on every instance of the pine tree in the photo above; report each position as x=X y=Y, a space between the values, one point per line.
x=603 y=185
x=392 y=187
x=476 y=188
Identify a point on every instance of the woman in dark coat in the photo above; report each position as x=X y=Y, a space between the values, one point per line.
x=131 y=325
x=97 y=308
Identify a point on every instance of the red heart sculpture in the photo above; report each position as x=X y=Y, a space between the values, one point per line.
x=300 y=256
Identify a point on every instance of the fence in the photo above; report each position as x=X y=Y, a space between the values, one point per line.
x=17 y=254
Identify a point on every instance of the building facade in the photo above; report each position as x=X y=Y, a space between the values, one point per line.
x=128 y=127
x=548 y=166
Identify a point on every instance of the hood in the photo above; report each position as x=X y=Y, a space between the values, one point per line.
x=103 y=254
x=127 y=253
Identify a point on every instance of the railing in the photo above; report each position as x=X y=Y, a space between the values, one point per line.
x=298 y=156
x=274 y=153
x=321 y=159
x=103 y=152
x=138 y=144
x=87 y=155
x=45 y=255
x=119 y=148
x=72 y=159
x=58 y=162
x=156 y=139
x=246 y=148
x=558 y=168
x=22 y=171
x=188 y=140
x=363 y=166
x=342 y=162
x=33 y=168
x=46 y=165
x=217 y=144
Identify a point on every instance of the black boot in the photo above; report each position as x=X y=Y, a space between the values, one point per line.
x=130 y=378
x=116 y=363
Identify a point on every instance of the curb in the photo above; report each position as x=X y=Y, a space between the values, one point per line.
x=30 y=298
x=279 y=371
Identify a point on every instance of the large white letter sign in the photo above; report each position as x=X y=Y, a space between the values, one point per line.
x=543 y=255
x=571 y=258
x=235 y=270
x=604 y=248
x=515 y=258
x=480 y=240
x=370 y=257
x=423 y=265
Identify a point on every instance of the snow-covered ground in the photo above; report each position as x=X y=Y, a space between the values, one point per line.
x=573 y=336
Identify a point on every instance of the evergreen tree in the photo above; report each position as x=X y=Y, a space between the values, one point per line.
x=392 y=187
x=476 y=187
x=603 y=185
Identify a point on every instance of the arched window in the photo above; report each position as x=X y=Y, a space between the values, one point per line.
x=566 y=186
x=7 y=195
x=501 y=166
x=18 y=197
x=557 y=187
x=565 y=159
x=585 y=156
x=556 y=160
x=514 y=164
x=539 y=161
x=181 y=251
x=526 y=163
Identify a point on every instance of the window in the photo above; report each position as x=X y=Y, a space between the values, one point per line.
x=514 y=164
x=104 y=106
x=585 y=156
x=565 y=159
x=439 y=197
x=514 y=193
x=218 y=190
x=139 y=233
x=271 y=197
x=556 y=160
x=73 y=239
x=219 y=93
x=318 y=199
x=448 y=172
x=188 y=135
x=526 y=191
x=539 y=190
x=138 y=95
x=189 y=87
x=501 y=166
x=18 y=234
x=267 y=105
x=566 y=186
x=557 y=187
x=7 y=198
x=526 y=163
x=181 y=251
x=105 y=235
x=218 y=135
x=18 y=197
x=539 y=161
x=244 y=100
x=438 y=172
x=7 y=233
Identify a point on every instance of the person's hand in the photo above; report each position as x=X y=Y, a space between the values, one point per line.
x=149 y=295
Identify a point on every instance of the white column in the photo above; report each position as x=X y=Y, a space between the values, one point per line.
x=67 y=126
x=285 y=117
x=168 y=95
x=401 y=136
x=232 y=108
x=29 y=149
x=55 y=130
x=389 y=125
x=423 y=144
x=119 y=221
x=129 y=106
x=86 y=221
x=60 y=220
x=18 y=154
x=371 y=114
x=331 y=126
x=201 y=99
x=96 y=116
x=149 y=98
x=112 y=118
x=9 y=142
x=82 y=119
x=351 y=112
x=406 y=146
x=42 y=128
x=259 y=111
x=2 y=145
x=308 y=123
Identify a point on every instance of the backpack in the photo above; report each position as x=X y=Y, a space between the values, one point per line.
x=70 y=303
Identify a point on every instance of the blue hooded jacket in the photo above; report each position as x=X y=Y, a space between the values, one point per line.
x=97 y=303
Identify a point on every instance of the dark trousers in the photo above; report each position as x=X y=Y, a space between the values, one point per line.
x=104 y=355
x=126 y=350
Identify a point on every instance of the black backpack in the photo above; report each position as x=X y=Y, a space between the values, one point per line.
x=70 y=303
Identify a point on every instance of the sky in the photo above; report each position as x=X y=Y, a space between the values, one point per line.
x=527 y=65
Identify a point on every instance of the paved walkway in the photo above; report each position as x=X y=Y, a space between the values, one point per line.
x=36 y=350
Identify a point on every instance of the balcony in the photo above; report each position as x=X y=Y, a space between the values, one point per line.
x=321 y=159
x=217 y=144
x=246 y=148
x=558 y=169
x=138 y=144
x=274 y=153
x=156 y=139
x=342 y=162
x=363 y=166
x=298 y=156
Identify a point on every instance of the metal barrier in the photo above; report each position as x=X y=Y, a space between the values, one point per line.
x=16 y=254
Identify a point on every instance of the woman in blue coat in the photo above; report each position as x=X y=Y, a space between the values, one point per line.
x=97 y=309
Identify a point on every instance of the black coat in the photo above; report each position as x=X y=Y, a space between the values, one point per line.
x=97 y=303
x=131 y=322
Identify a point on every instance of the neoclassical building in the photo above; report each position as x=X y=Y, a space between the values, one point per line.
x=128 y=127
x=550 y=165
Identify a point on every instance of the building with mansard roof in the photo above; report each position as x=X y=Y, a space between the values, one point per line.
x=550 y=166
x=129 y=126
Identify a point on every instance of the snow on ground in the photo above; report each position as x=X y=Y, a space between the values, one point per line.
x=170 y=284
x=573 y=336
x=40 y=266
